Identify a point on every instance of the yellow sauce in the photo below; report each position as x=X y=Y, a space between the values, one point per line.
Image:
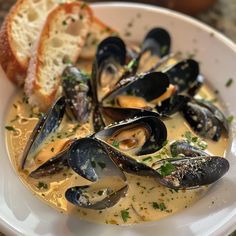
x=144 y=194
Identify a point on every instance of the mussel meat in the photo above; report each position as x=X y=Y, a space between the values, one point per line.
x=137 y=136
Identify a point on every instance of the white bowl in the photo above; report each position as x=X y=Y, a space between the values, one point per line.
x=22 y=213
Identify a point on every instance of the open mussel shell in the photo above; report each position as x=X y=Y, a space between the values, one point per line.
x=192 y=172
x=75 y=86
x=108 y=66
x=157 y=41
x=202 y=120
x=148 y=86
x=79 y=197
x=185 y=76
x=155 y=46
x=182 y=147
x=117 y=114
x=131 y=165
x=53 y=166
x=90 y=159
x=137 y=136
x=46 y=125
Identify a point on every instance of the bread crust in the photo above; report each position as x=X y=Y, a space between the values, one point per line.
x=14 y=69
x=33 y=88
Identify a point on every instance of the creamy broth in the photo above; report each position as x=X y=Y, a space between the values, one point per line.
x=146 y=200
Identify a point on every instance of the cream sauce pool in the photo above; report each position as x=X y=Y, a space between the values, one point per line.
x=146 y=200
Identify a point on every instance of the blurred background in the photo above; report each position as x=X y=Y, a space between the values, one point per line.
x=220 y=14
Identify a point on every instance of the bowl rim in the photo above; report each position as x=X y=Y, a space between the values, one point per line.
x=230 y=225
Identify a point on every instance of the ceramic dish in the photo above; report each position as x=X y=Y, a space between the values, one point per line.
x=21 y=213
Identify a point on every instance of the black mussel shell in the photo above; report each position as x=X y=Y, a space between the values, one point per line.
x=109 y=61
x=202 y=120
x=148 y=86
x=130 y=165
x=76 y=87
x=78 y=197
x=185 y=75
x=137 y=136
x=90 y=159
x=98 y=120
x=184 y=148
x=46 y=125
x=192 y=172
x=155 y=46
x=172 y=105
x=217 y=113
x=117 y=114
x=157 y=41
x=53 y=166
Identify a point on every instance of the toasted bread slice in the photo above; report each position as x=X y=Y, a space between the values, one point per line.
x=97 y=33
x=62 y=38
x=18 y=33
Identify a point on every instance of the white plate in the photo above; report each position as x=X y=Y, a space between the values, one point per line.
x=22 y=213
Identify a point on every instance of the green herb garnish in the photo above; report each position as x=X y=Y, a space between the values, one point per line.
x=230 y=119
x=125 y=215
x=147 y=159
x=10 y=128
x=115 y=144
x=160 y=206
x=42 y=185
x=102 y=165
x=100 y=193
x=229 y=82
x=166 y=169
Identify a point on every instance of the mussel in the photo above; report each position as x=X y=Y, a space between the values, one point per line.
x=141 y=89
x=47 y=125
x=137 y=136
x=108 y=66
x=206 y=119
x=76 y=87
x=155 y=46
x=90 y=159
x=191 y=172
x=82 y=196
x=185 y=76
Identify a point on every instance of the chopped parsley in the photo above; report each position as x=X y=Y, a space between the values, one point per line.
x=229 y=82
x=194 y=140
x=164 y=49
x=132 y=63
x=166 y=169
x=160 y=206
x=115 y=144
x=125 y=215
x=10 y=128
x=230 y=119
x=102 y=165
x=42 y=185
x=147 y=159
x=100 y=193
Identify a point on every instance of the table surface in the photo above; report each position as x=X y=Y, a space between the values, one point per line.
x=222 y=16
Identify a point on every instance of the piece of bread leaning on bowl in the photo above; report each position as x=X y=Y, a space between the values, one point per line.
x=38 y=37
